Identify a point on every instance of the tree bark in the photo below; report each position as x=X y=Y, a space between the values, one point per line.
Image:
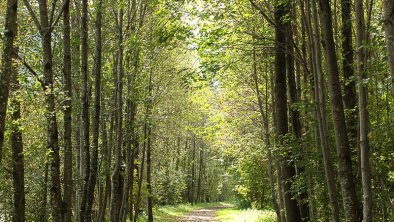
x=116 y=192
x=85 y=154
x=67 y=88
x=349 y=85
x=18 y=165
x=149 y=148
x=338 y=116
x=10 y=32
x=96 y=118
x=303 y=202
x=52 y=128
x=282 y=128
x=361 y=37
x=321 y=112
x=388 y=21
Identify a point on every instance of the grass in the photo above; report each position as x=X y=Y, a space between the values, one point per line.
x=247 y=215
x=172 y=213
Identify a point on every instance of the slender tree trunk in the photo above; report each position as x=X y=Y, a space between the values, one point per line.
x=361 y=37
x=321 y=113
x=338 y=116
x=388 y=7
x=18 y=166
x=349 y=85
x=295 y=114
x=282 y=128
x=141 y=174
x=134 y=168
x=10 y=32
x=149 y=173
x=67 y=88
x=264 y=121
x=52 y=128
x=200 y=168
x=85 y=154
x=193 y=169
x=116 y=193
x=96 y=118
x=149 y=148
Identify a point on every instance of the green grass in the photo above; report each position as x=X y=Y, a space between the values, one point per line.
x=248 y=215
x=172 y=213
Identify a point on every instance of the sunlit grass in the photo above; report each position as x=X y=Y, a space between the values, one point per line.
x=172 y=213
x=248 y=215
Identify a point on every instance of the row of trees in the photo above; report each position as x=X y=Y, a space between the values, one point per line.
x=321 y=68
x=109 y=108
x=98 y=112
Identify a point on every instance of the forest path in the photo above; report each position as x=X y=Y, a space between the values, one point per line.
x=205 y=214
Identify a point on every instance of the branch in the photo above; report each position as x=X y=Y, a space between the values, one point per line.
x=28 y=67
x=52 y=11
x=60 y=14
x=33 y=16
x=262 y=13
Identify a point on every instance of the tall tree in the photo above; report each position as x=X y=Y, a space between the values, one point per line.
x=85 y=154
x=321 y=111
x=349 y=85
x=388 y=21
x=338 y=115
x=361 y=38
x=96 y=118
x=18 y=163
x=116 y=193
x=282 y=128
x=10 y=32
x=67 y=88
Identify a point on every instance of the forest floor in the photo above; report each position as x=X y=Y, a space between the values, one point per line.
x=205 y=214
x=211 y=212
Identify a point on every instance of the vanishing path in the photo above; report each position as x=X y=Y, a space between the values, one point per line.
x=200 y=215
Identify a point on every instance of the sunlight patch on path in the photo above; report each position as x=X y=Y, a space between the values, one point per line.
x=207 y=214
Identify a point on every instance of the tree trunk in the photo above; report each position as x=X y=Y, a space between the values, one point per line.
x=388 y=21
x=67 y=88
x=321 y=112
x=96 y=118
x=338 y=116
x=349 y=86
x=149 y=149
x=282 y=128
x=10 y=32
x=116 y=193
x=295 y=114
x=141 y=174
x=264 y=122
x=18 y=166
x=85 y=154
x=52 y=128
x=361 y=37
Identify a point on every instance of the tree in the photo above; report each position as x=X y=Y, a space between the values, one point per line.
x=388 y=7
x=288 y=169
x=67 y=73
x=338 y=116
x=10 y=31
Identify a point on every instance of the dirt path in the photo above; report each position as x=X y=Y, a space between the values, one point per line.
x=206 y=214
